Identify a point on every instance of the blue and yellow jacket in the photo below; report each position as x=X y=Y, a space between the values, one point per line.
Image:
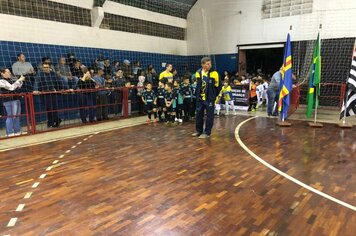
x=208 y=85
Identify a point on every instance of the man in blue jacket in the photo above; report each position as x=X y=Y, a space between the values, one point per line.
x=208 y=88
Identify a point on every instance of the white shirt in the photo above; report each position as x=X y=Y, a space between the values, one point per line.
x=6 y=85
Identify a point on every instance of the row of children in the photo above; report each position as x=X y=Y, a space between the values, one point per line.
x=176 y=101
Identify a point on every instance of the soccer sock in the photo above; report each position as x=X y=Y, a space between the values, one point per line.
x=155 y=115
x=149 y=115
x=173 y=117
x=166 y=116
x=160 y=115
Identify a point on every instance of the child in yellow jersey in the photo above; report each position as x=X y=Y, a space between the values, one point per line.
x=229 y=100
x=217 y=106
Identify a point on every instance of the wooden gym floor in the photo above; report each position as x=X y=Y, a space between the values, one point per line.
x=153 y=180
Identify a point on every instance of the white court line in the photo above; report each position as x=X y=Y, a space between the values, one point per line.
x=35 y=185
x=49 y=168
x=42 y=176
x=74 y=147
x=284 y=174
x=61 y=156
x=68 y=151
x=20 y=207
x=55 y=162
x=79 y=143
x=12 y=222
x=28 y=195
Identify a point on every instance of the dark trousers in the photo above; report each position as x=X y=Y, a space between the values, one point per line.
x=187 y=107
x=273 y=97
x=51 y=106
x=253 y=103
x=87 y=103
x=194 y=107
x=117 y=102
x=102 y=102
x=209 y=107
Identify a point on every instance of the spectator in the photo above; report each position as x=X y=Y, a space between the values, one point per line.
x=99 y=62
x=63 y=71
x=273 y=93
x=77 y=69
x=127 y=70
x=140 y=90
x=226 y=76
x=130 y=98
x=116 y=65
x=102 y=100
x=151 y=75
x=48 y=81
x=21 y=67
x=107 y=68
x=137 y=69
x=87 y=99
x=47 y=60
x=71 y=60
x=175 y=75
x=118 y=82
x=12 y=103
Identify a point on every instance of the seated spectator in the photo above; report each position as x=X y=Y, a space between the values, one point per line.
x=87 y=99
x=48 y=81
x=140 y=90
x=46 y=60
x=102 y=100
x=21 y=67
x=63 y=71
x=107 y=68
x=77 y=69
x=12 y=103
x=71 y=60
x=175 y=75
x=99 y=62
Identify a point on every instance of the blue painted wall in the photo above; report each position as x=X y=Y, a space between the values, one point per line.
x=226 y=62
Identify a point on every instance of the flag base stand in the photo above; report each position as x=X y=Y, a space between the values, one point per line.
x=345 y=125
x=315 y=125
x=283 y=124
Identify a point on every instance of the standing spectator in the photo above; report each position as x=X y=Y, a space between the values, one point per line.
x=130 y=98
x=21 y=67
x=101 y=97
x=12 y=103
x=273 y=93
x=137 y=69
x=63 y=71
x=48 y=81
x=45 y=60
x=175 y=75
x=151 y=75
x=116 y=65
x=140 y=90
x=77 y=69
x=127 y=70
x=87 y=99
x=226 y=76
x=117 y=83
x=107 y=67
x=208 y=88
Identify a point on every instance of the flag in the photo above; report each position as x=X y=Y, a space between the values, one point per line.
x=286 y=83
x=315 y=78
x=350 y=94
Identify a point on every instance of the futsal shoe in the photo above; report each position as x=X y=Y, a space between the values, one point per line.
x=204 y=136
x=196 y=134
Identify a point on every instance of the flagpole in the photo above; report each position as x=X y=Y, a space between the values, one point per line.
x=317 y=88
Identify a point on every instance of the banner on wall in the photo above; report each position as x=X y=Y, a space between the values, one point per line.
x=241 y=96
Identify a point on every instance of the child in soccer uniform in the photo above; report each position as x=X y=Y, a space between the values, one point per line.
x=253 y=96
x=187 y=93
x=265 y=88
x=229 y=101
x=259 y=92
x=217 y=106
x=170 y=104
x=178 y=102
x=194 y=100
x=150 y=100
x=161 y=104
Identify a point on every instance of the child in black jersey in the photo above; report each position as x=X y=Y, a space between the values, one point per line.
x=178 y=101
x=150 y=100
x=170 y=104
x=161 y=104
x=187 y=93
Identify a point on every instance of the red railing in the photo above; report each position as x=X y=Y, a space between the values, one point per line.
x=34 y=115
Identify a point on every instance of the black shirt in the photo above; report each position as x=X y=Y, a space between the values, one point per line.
x=149 y=96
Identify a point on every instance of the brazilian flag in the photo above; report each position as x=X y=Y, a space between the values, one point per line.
x=314 y=81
